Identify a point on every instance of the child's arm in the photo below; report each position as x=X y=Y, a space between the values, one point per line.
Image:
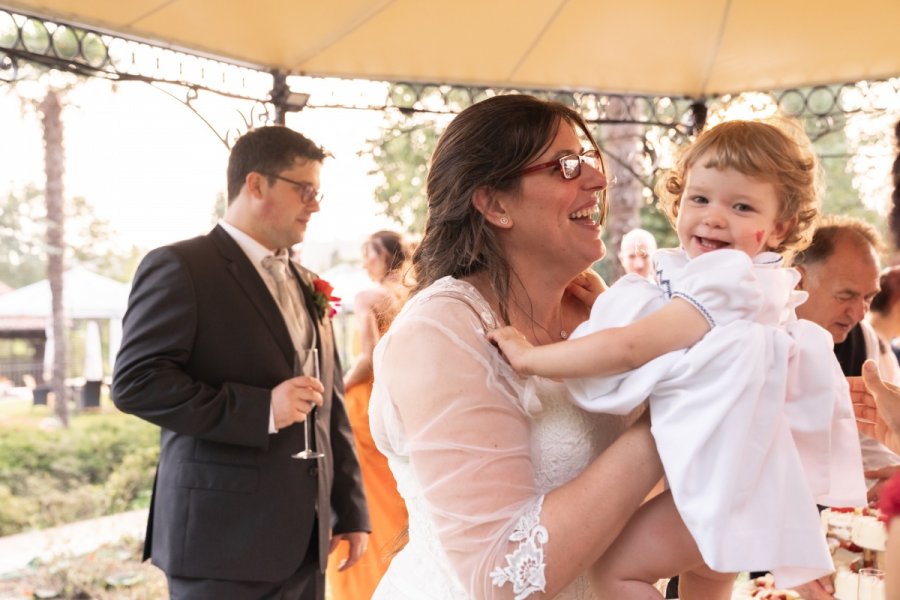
x=610 y=351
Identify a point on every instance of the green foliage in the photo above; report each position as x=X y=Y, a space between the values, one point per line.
x=654 y=221
x=130 y=485
x=92 y=242
x=23 y=247
x=22 y=238
x=401 y=156
x=841 y=197
x=101 y=465
x=14 y=511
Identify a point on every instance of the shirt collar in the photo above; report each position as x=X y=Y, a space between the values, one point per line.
x=255 y=251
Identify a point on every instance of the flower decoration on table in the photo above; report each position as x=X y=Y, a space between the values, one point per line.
x=325 y=302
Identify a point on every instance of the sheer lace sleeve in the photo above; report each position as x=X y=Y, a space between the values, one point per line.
x=458 y=419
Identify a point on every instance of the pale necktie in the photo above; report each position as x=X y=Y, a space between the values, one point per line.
x=294 y=316
x=301 y=336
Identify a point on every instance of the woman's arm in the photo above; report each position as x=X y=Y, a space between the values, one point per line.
x=587 y=514
x=678 y=324
x=364 y=307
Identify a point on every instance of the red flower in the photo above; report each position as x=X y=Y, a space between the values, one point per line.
x=323 y=287
x=322 y=296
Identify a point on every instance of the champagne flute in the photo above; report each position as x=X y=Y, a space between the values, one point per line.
x=870 y=584
x=310 y=367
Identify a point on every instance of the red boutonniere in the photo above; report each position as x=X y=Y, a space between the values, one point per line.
x=322 y=297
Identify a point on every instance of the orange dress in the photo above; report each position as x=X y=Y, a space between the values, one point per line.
x=387 y=510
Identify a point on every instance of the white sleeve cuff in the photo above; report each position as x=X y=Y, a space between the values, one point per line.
x=272 y=428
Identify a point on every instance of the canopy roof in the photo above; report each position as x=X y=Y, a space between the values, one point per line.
x=86 y=295
x=683 y=48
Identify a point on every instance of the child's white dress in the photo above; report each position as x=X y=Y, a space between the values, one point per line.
x=754 y=423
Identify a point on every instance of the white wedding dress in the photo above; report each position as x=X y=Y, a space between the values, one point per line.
x=473 y=448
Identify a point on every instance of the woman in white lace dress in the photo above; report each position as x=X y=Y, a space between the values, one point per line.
x=512 y=492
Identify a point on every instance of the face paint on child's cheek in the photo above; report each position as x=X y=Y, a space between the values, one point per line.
x=759 y=235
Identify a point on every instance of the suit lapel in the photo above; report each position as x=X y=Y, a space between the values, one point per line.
x=248 y=279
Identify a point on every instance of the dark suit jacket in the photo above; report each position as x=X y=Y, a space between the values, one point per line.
x=204 y=343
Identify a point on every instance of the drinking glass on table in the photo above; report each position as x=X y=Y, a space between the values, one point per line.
x=871 y=584
x=306 y=362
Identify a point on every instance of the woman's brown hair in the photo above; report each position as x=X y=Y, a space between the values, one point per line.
x=486 y=145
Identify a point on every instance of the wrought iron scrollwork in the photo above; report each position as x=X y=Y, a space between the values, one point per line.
x=26 y=39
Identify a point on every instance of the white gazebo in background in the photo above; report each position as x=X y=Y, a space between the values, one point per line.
x=87 y=297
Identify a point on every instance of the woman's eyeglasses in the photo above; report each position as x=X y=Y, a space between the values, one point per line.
x=570 y=164
x=307 y=191
x=570 y=168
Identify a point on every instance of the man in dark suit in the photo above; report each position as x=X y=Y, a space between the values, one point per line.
x=208 y=354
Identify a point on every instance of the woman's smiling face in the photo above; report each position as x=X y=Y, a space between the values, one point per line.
x=555 y=219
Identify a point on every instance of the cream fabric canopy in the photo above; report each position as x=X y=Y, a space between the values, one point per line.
x=670 y=47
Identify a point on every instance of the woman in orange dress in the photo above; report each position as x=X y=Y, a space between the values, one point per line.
x=384 y=256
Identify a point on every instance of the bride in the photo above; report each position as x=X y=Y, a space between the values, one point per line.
x=512 y=492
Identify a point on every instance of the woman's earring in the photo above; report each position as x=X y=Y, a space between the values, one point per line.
x=504 y=220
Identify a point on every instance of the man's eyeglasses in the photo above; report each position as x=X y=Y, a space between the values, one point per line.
x=307 y=192
x=570 y=168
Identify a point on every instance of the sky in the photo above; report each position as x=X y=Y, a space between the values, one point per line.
x=153 y=168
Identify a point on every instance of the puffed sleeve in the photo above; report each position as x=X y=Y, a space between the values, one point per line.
x=629 y=299
x=456 y=414
x=722 y=285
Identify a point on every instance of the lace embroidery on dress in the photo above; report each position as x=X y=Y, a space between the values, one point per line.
x=525 y=566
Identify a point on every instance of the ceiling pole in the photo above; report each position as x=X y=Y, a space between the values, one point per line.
x=279 y=96
x=698 y=111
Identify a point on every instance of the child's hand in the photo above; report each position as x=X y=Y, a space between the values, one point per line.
x=586 y=286
x=514 y=347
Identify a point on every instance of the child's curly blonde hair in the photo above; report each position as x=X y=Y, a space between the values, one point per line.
x=773 y=151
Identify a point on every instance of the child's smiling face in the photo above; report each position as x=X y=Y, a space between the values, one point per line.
x=723 y=208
